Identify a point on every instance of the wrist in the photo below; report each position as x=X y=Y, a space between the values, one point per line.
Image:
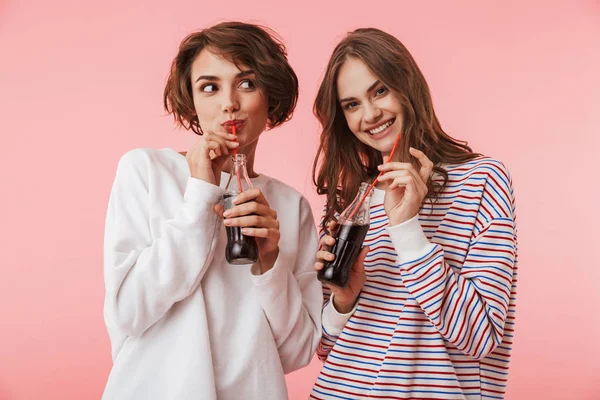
x=343 y=307
x=205 y=175
x=399 y=219
x=267 y=261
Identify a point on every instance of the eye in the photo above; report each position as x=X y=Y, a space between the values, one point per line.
x=350 y=105
x=381 y=91
x=247 y=84
x=208 y=88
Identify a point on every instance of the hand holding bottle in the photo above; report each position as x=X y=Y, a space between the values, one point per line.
x=251 y=224
x=338 y=263
x=344 y=297
x=256 y=219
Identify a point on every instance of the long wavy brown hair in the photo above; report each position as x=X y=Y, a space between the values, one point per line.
x=342 y=161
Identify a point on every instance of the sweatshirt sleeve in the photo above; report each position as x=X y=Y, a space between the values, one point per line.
x=290 y=295
x=467 y=303
x=332 y=321
x=146 y=272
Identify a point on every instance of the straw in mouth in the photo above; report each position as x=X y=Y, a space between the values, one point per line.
x=237 y=171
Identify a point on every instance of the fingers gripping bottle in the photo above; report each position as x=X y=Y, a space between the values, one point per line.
x=240 y=249
x=353 y=225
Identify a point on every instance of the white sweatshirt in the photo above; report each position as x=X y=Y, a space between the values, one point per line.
x=183 y=323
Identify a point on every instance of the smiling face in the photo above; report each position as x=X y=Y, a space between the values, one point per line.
x=373 y=112
x=226 y=95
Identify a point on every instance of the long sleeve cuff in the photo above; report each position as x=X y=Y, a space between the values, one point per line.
x=409 y=240
x=273 y=276
x=333 y=321
x=276 y=287
x=200 y=197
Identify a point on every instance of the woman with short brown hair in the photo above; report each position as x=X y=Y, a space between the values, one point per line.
x=183 y=322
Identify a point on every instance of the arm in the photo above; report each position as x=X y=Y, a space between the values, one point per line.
x=468 y=306
x=335 y=313
x=333 y=322
x=467 y=301
x=290 y=296
x=145 y=274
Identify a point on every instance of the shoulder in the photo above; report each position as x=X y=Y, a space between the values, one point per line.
x=486 y=181
x=143 y=160
x=283 y=191
x=135 y=159
x=488 y=169
x=282 y=196
x=146 y=156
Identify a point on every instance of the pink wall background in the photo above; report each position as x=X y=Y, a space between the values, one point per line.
x=81 y=83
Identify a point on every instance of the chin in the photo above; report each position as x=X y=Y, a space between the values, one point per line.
x=379 y=146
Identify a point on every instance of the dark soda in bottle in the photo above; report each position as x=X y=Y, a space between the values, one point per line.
x=353 y=225
x=240 y=249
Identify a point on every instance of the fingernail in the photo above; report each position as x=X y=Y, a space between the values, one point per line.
x=227 y=213
x=244 y=231
x=227 y=222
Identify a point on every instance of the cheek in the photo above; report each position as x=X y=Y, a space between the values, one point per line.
x=393 y=105
x=201 y=106
x=208 y=109
x=258 y=106
x=353 y=121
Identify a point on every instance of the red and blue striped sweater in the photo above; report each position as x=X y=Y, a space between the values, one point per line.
x=435 y=318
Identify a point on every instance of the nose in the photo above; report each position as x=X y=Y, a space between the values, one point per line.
x=372 y=113
x=230 y=103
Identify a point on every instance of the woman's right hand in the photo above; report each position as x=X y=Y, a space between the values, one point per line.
x=208 y=155
x=344 y=298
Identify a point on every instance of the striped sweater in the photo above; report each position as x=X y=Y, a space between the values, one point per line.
x=435 y=318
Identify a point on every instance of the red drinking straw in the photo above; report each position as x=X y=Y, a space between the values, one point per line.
x=235 y=139
x=237 y=171
x=376 y=179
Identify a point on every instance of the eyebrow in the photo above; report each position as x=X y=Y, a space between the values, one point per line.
x=373 y=86
x=216 y=78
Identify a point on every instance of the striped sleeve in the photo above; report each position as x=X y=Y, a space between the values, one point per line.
x=332 y=322
x=328 y=339
x=467 y=302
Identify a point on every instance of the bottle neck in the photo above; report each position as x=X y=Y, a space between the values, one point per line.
x=228 y=167
x=239 y=179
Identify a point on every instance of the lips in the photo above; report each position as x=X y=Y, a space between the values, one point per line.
x=228 y=125
x=380 y=128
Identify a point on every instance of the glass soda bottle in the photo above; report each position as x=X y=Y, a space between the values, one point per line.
x=240 y=249
x=353 y=225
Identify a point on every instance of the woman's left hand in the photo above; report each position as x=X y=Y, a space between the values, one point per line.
x=406 y=188
x=256 y=218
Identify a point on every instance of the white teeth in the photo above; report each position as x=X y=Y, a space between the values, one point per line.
x=380 y=128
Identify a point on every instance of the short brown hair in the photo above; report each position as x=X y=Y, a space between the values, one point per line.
x=255 y=46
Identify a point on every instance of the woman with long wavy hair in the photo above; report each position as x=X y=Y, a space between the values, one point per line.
x=429 y=308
